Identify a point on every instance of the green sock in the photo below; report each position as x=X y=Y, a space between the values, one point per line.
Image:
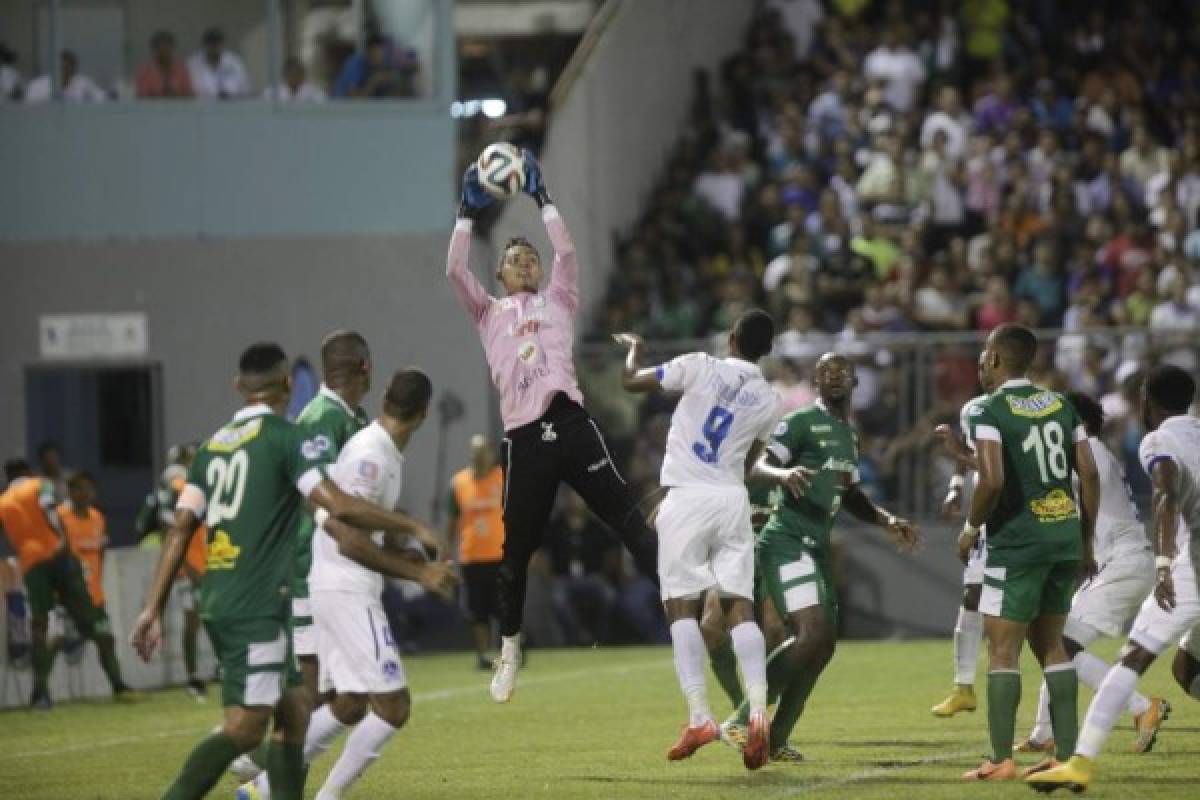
x=1004 y=695
x=43 y=662
x=1062 y=684
x=203 y=768
x=108 y=661
x=779 y=675
x=259 y=754
x=189 y=653
x=791 y=706
x=286 y=770
x=724 y=665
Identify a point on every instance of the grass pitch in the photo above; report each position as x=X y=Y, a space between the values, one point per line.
x=597 y=724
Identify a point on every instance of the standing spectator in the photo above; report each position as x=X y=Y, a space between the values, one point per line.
x=217 y=72
x=50 y=463
x=720 y=186
x=1143 y=159
x=800 y=18
x=1042 y=283
x=163 y=76
x=10 y=78
x=949 y=118
x=1176 y=325
x=475 y=531
x=998 y=307
x=296 y=87
x=76 y=87
x=379 y=71
x=897 y=67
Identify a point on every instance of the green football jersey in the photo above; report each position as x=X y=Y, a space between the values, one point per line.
x=813 y=438
x=254 y=474
x=1037 y=518
x=328 y=416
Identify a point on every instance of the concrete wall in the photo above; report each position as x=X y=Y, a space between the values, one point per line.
x=207 y=299
x=609 y=135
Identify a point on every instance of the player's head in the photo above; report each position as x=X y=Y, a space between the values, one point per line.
x=1167 y=392
x=264 y=376
x=752 y=335
x=16 y=468
x=49 y=459
x=1008 y=353
x=835 y=378
x=346 y=363
x=81 y=488
x=520 y=266
x=483 y=454
x=985 y=380
x=407 y=398
x=1089 y=411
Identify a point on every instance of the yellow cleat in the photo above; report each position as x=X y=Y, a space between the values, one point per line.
x=1149 y=722
x=961 y=699
x=1042 y=766
x=1032 y=745
x=1075 y=775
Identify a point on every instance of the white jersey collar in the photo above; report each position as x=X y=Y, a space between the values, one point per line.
x=325 y=391
x=385 y=440
x=256 y=410
x=1016 y=383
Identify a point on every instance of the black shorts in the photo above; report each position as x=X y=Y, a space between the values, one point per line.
x=480 y=582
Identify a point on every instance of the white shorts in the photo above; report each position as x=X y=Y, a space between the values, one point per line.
x=355 y=645
x=976 y=561
x=705 y=540
x=1110 y=600
x=1156 y=629
x=1190 y=643
x=304 y=635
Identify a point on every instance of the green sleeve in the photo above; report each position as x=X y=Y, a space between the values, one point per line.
x=335 y=427
x=304 y=452
x=788 y=440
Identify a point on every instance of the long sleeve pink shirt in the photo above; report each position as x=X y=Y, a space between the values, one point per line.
x=528 y=338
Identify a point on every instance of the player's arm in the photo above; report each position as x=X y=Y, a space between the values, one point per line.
x=1089 y=497
x=360 y=513
x=147 y=631
x=48 y=502
x=453 y=514
x=467 y=288
x=768 y=468
x=1164 y=524
x=358 y=546
x=635 y=378
x=990 y=460
x=904 y=534
x=964 y=461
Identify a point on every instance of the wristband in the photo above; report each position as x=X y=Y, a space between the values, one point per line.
x=320 y=517
x=970 y=530
x=956 y=482
x=1163 y=562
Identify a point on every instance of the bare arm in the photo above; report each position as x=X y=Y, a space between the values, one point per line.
x=634 y=378
x=357 y=545
x=766 y=468
x=467 y=288
x=147 y=631
x=1164 y=524
x=356 y=511
x=1089 y=497
x=903 y=533
x=452 y=534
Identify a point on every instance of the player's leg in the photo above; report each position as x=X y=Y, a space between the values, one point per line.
x=1061 y=684
x=531 y=475
x=721 y=658
x=479 y=580
x=968 y=635
x=388 y=713
x=40 y=592
x=91 y=622
x=185 y=590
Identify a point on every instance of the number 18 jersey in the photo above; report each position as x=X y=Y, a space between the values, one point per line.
x=726 y=406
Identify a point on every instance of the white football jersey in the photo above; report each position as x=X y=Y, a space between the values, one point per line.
x=370 y=467
x=1178 y=439
x=964 y=421
x=726 y=406
x=1119 y=530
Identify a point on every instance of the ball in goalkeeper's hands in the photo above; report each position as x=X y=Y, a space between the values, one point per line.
x=501 y=170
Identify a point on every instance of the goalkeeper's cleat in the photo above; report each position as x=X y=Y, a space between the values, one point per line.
x=1032 y=745
x=1148 y=722
x=961 y=699
x=504 y=681
x=1075 y=775
x=1006 y=770
x=248 y=791
x=733 y=733
x=787 y=755
x=1041 y=766
x=757 y=751
x=692 y=739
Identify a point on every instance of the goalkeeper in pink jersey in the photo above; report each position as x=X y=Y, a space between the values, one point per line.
x=528 y=338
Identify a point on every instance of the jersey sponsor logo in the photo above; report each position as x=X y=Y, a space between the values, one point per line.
x=222 y=553
x=231 y=437
x=821 y=429
x=539 y=301
x=527 y=352
x=532 y=375
x=974 y=410
x=599 y=465
x=781 y=428
x=839 y=465
x=526 y=328
x=315 y=447
x=1042 y=404
x=1054 y=506
x=368 y=470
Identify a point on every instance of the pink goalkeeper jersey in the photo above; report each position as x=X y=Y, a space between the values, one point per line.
x=528 y=338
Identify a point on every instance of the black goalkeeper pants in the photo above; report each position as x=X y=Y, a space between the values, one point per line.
x=564 y=445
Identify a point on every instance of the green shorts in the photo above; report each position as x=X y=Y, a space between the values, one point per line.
x=100 y=621
x=1024 y=592
x=59 y=581
x=794 y=576
x=256 y=659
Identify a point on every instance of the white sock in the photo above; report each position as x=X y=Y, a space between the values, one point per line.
x=1111 y=699
x=323 y=730
x=510 y=648
x=362 y=748
x=263 y=784
x=690 y=653
x=1092 y=671
x=244 y=765
x=751 y=650
x=968 y=633
x=1043 y=729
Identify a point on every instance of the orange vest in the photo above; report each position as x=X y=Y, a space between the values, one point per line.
x=480 y=515
x=25 y=523
x=196 y=556
x=86 y=535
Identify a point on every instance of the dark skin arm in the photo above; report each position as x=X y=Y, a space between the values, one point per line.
x=1164 y=524
x=633 y=378
x=357 y=545
x=355 y=511
x=768 y=469
x=147 y=631
x=1089 y=499
x=905 y=535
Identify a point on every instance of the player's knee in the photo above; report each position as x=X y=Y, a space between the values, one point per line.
x=1186 y=671
x=247 y=729
x=394 y=708
x=1136 y=657
x=1072 y=647
x=971 y=595
x=349 y=709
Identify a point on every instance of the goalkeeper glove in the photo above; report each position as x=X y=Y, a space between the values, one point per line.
x=535 y=187
x=474 y=198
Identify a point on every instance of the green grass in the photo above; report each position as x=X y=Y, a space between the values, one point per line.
x=597 y=724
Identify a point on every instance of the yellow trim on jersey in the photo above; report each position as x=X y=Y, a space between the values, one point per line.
x=232 y=437
x=1035 y=406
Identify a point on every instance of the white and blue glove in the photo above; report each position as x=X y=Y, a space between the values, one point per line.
x=474 y=199
x=535 y=187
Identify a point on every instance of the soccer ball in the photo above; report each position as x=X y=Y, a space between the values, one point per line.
x=501 y=170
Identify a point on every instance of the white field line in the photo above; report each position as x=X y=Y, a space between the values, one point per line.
x=877 y=772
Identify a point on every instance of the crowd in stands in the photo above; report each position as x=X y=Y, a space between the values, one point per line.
x=381 y=68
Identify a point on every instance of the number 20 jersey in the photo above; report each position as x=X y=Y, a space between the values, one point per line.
x=726 y=406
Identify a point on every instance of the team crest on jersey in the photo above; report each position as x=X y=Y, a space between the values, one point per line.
x=391 y=670
x=1055 y=506
x=527 y=352
x=1042 y=404
x=368 y=470
x=231 y=437
x=781 y=428
x=313 y=448
x=222 y=553
x=539 y=301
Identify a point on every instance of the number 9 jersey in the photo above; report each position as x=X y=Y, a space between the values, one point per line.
x=726 y=406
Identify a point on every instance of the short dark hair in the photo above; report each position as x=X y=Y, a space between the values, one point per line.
x=16 y=468
x=80 y=476
x=753 y=333
x=1171 y=388
x=214 y=36
x=518 y=241
x=1016 y=345
x=1091 y=412
x=408 y=394
x=342 y=354
x=261 y=358
x=46 y=447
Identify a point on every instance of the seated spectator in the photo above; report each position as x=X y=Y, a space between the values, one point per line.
x=720 y=187
x=295 y=87
x=76 y=87
x=802 y=341
x=937 y=305
x=995 y=110
x=1042 y=283
x=381 y=70
x=216 y=72
x=997 y=308
x=1143 y=160
x=1176 y=325
x=10 y=78
x=163 y=76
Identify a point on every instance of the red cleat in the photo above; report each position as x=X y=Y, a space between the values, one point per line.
x=693 y=739
x=757 y=751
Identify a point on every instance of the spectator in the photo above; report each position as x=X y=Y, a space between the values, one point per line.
x=379 y=71
x=1041 y=282
x=1179 y=322
x=949 y=118
x=163 y=76
x=995 y=110
x=894 y=65
x=76 y=87
x=216 y=72
x=937 y=305
x=720 y=187
x=10 y=78
x=997 y=308
x=1143 y=160
x=296 y=87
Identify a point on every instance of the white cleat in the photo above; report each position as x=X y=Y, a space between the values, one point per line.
x=504 y=680
x=244 y=769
